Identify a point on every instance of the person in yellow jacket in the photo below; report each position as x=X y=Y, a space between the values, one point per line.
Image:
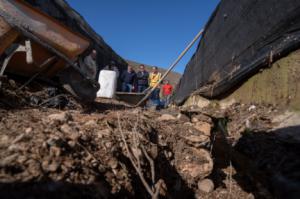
x=154 y=78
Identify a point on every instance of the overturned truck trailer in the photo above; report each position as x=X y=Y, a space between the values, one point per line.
x=242 y=39
x=34 y=42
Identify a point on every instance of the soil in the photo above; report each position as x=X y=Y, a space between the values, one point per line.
x=90 y=151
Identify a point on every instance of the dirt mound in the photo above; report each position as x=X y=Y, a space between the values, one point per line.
x=65 y=146
x=111 y=152
x=107 y=150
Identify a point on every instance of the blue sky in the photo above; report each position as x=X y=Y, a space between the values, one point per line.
x=153 y=32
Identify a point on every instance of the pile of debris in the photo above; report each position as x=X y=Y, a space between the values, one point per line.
x=66 y=146
x=118 y=152
x=14 y=95
x=115 y=151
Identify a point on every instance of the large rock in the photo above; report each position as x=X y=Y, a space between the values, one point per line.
x=60 y=117
x=206 y=185
x=166 y=117
x=193 y=164
x=204 y=127
x=197 y=139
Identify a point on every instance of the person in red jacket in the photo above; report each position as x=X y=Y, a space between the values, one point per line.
x=167 y=91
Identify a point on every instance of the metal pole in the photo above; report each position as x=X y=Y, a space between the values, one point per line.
x=171 y=67
x=44 y=66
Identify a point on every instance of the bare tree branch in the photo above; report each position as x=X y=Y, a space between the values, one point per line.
x=132 y=160
x=154 y=192
x=157 y=189
x=151 y=164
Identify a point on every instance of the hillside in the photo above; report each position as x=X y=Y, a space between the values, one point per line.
x=173 y=77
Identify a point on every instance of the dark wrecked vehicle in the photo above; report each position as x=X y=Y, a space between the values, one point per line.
x=35 y=44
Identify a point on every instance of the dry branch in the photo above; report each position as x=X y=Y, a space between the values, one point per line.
x=154 y=192
x=138 y=170
x=151 y=164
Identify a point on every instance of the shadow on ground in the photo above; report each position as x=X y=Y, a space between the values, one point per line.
x=50 y=189
x=270 y=160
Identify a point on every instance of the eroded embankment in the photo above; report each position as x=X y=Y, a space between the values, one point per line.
x=116 y=152
x=261 y=142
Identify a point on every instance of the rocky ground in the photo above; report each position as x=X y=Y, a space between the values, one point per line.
x=58 y=148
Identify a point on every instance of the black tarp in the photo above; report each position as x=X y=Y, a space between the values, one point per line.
x=241 y=37
x=61 y=10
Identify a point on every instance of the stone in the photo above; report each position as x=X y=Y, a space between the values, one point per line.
x=166 y=117
x=188 y=124
x=55 y=151
x=91 y=123
x=108 y=144
x=28 y=130
x=206 y=185
x=52 y=167
x=70 y=133
x=33 y=167
x=251 y=196
x=94 y=163
x=103 y=133
x=196 y=102
x=251 y=108
x=45 y=164
x=68 y=163
x=194 y=170
x=195 y=120
x=194 y=164
x=204 y=127
x=225 y=104
x=71 y=143
x=21 y=159
x=60 y=117
x=66 y=129
x=198 y=138
x=113 y=163
x=201 y=117
x=88 y=158
x=183 y=117
x=83 y=136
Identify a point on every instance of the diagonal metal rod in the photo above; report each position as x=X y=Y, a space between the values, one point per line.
x=44 y=66
x=171 y=67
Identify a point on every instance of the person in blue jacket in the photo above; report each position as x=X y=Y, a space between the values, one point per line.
x=142 y=79
x=128 y=80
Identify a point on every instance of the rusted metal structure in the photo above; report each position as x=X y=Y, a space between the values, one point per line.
x=33 y=43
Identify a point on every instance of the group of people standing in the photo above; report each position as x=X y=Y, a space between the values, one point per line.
x=142 y=80
x=133 y=81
